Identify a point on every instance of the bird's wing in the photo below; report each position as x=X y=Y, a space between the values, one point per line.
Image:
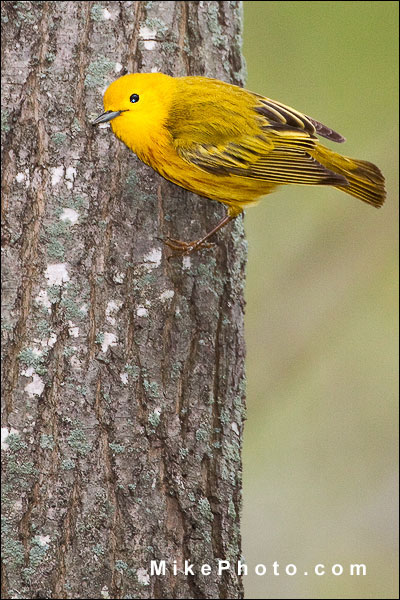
x=251 y=136
x=283 y=163
x=281 y=117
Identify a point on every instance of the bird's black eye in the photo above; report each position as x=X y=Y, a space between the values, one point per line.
x=134 y=98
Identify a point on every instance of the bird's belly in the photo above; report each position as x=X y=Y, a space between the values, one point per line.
x=229 y=189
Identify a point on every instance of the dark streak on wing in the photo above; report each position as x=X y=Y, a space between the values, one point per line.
x=293 y=119
x=284 y=164
x=326 y=132
x=282 y=117
x=307 y=142
x=292 y=166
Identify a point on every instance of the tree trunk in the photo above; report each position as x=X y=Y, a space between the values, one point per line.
x=123 y=370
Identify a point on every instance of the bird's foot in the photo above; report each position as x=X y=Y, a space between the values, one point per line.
x=185 y=248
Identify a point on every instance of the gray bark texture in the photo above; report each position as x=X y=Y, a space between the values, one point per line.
x=123 y=371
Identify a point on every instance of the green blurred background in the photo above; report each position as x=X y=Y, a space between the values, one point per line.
x=320 y=441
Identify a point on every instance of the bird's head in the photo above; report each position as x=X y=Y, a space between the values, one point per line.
x=137 y=106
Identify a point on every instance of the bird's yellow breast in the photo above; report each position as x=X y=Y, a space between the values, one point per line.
x=176 y=113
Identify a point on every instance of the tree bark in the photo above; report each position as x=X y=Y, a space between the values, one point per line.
x=123 y=370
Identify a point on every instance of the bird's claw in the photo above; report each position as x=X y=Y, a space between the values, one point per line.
x=185 y=248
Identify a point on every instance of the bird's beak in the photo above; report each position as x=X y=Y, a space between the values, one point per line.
x=107 y=116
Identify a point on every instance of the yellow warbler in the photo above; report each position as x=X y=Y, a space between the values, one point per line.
x=227 y=143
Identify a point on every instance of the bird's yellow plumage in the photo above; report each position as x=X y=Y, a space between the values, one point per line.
x=228 y=144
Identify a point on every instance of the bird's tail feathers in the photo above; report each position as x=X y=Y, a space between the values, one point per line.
x=365 y=180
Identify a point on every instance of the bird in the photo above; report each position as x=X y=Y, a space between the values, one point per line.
x=229 y=144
